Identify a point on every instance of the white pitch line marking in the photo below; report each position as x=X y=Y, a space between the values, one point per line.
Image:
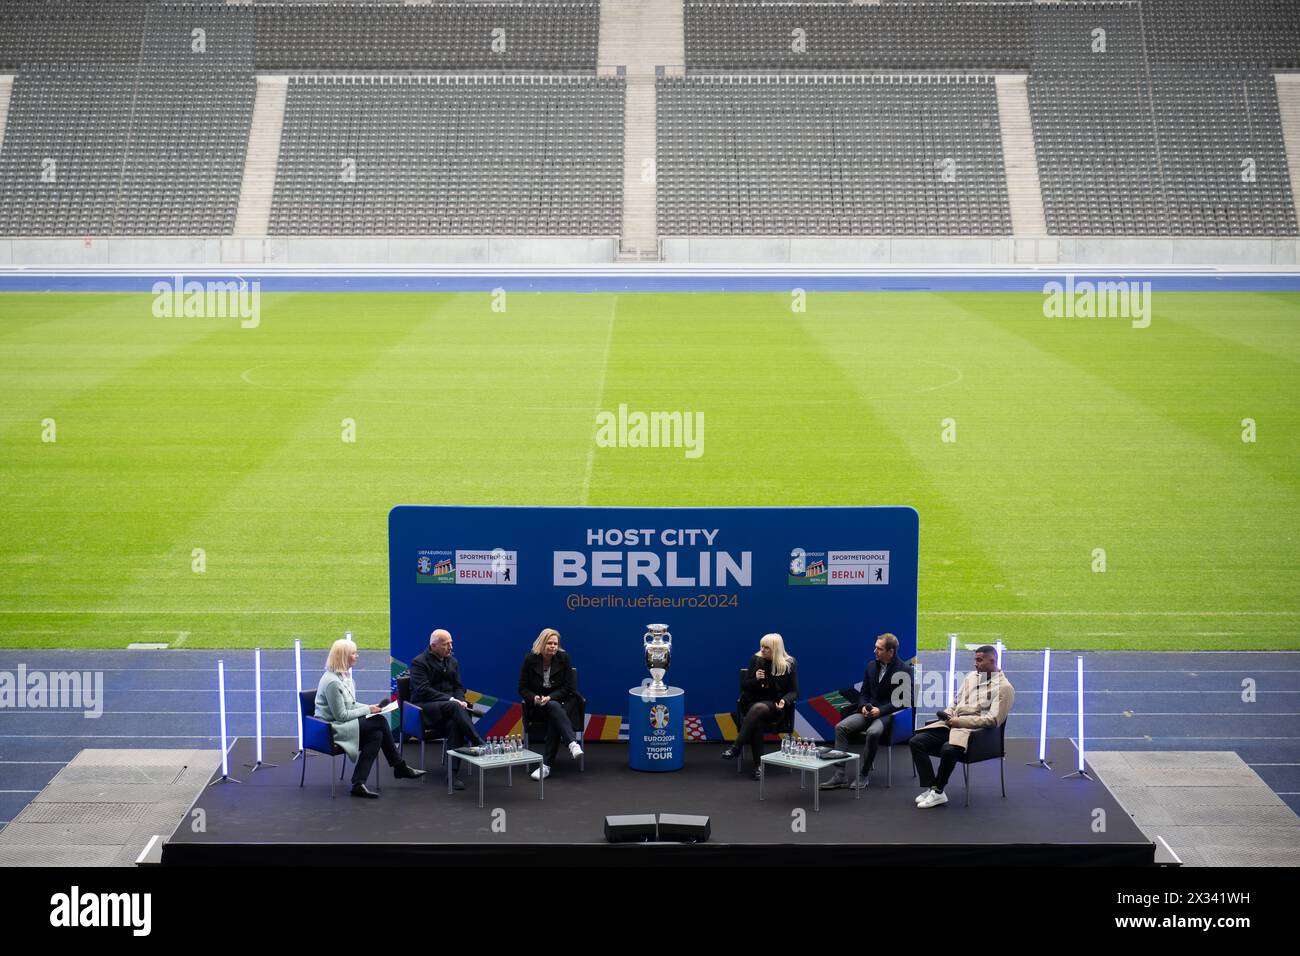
x=1113 y=614
x=155 y=613
x=951 y=368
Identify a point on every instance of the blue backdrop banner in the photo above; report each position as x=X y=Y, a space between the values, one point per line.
x=829 y=580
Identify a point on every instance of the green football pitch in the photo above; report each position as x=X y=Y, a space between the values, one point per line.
x=1080 y=444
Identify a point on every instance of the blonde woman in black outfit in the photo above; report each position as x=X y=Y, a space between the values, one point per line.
x=546 y=683
x=767 y=692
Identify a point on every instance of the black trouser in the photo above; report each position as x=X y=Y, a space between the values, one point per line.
x=559 y=729
x=872 y=727
x=928 y=743
x=376 y=735
x=759 y=720
x=456 y=720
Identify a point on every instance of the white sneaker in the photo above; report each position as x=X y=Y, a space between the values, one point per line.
x=935 y=799
x=574 y=750
x=923 y=794
x=541 y=773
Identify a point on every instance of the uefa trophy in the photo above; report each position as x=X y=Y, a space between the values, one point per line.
x=658 y=654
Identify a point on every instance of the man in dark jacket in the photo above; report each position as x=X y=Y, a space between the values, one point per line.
x=436 y=689
x=886 y=689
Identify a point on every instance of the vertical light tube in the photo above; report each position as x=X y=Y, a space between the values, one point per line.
x=257 y=695
x=917 y=684
x=952 y=669
x=221 y=703
x=1080 y=660
x=297 y=670
x=1042 y=717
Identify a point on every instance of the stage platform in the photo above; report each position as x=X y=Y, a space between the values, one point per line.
x=1044 y=819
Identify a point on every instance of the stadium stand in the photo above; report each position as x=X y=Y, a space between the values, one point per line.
x=448 y=155
x=1145 y=118
x=70 y=32
x=545 y=36
x=153 y=147
x=189 y=129
x=1128 y=148
x=830 y=155
x=1133 y=137
x=65 y=142
x=1089 y=100
x=1250 y=36
x=1224 y=159
x=821 y=36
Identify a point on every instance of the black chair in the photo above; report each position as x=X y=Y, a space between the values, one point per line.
x=535 y=724
x=989 y=743
x=785 y=726
x=415 y=723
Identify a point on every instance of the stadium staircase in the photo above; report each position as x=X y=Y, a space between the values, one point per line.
x=1288 y=103
x=1024 y=194
x=640 y=35
x=258 y=185
x=6 y=90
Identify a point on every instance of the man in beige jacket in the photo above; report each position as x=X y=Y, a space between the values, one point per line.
x=984 y=700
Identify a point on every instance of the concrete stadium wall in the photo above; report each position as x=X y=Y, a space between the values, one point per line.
x=309 y=251
x=846 y=251
x=993 y=251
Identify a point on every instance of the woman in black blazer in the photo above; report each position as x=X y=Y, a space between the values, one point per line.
x=767 y=694
x=546 y=683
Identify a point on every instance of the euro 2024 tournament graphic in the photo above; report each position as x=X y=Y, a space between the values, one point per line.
x=658 y=716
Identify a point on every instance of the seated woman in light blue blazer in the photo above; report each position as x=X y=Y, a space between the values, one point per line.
x=357 y=730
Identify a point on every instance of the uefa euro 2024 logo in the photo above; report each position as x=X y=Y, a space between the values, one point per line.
x=658 y=716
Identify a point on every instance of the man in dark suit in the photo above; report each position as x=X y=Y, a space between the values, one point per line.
x=436 y=689
x=886 y=689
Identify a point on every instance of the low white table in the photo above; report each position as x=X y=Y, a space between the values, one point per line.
x=506 y=761
x=804 y=765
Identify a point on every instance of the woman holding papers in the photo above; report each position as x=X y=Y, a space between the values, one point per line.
x=359 y=730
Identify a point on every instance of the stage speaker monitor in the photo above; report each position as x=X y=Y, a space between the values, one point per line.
x=682 y=828
x=637 y=828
